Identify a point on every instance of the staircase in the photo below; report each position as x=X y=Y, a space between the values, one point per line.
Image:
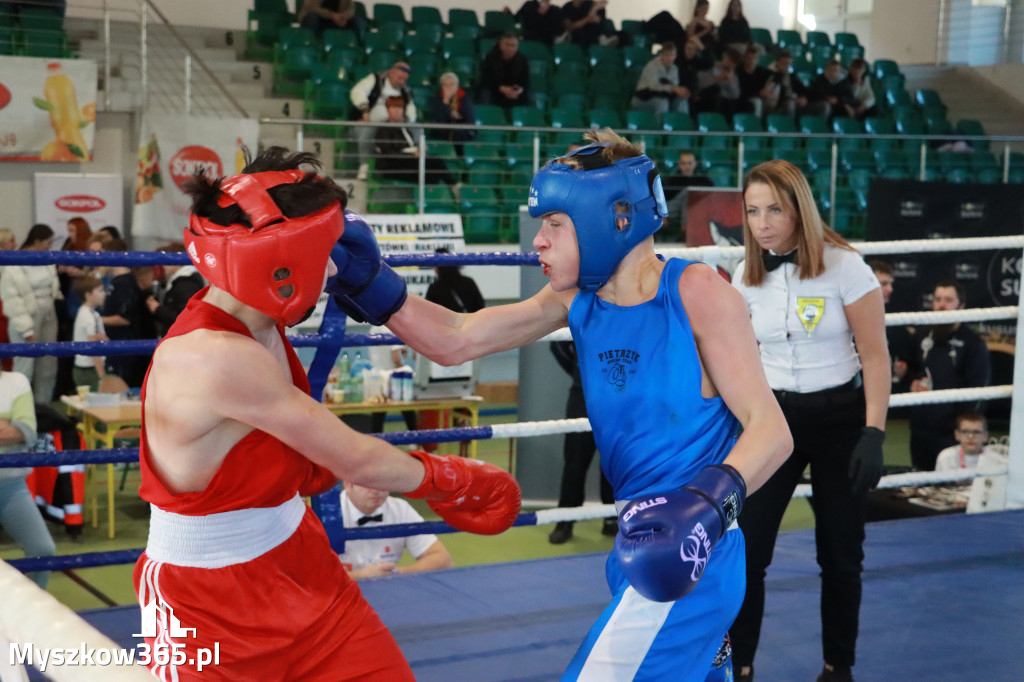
x=968 y=95
x=248 y=83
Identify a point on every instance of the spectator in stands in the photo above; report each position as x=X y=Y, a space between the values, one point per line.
x=77 y=239
x=128 y=316
x=676 y=187
x=971 y=436
x=368 y=96
x=690 y=62
x=505 y=74
x=181 y=283
x=110 y=231
x=946 y=356
x=898 y=338
x=756 y=86
x=860 y=85
x=541 y=21
x=793 y=97
x=577 y=452
x=830 y=87
x=453 y=290
x=584 y=21
x=702 y=28
x=89 y=369
x=320 y=15
x=452 y=105
x=398 y=151
x=362 y=507
x=734 y=31
x=7 y=243
x=30 y=294
x=720 y=86
x=658 y=88
x=19 y=515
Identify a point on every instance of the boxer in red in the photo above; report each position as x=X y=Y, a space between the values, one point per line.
x=235 y=562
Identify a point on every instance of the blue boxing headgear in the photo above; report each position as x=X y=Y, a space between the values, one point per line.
x=594 y=196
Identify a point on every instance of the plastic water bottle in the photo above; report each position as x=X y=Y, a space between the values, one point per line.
x=343 y=366
x=359 y=365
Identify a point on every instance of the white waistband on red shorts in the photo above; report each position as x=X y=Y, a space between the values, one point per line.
x=621 y=504
x=224 y=539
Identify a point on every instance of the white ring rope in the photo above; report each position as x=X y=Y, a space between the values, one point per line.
x=715 y=253
x=31 y=616
x=951 y=395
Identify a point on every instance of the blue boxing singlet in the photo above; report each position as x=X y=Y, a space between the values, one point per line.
x=642 y=383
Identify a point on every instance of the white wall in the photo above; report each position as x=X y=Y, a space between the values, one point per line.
x=904 y=31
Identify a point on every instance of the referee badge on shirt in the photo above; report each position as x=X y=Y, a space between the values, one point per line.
x=810 y=309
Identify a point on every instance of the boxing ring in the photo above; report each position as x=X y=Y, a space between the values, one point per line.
x=524 y=620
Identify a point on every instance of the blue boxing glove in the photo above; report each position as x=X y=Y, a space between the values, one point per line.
x=365 y=288
x=665 y=540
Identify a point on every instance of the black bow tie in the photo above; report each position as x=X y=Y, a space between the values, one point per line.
x=366 y=519
x=772 y=261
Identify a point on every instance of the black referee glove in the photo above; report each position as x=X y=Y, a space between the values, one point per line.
x=866 y=460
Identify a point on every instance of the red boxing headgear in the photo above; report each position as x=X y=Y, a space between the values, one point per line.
x=277 y=266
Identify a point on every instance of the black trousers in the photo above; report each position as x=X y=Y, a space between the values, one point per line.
x=578 y=453
x=825 y=429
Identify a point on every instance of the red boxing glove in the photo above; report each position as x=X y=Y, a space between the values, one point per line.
x=470 y=495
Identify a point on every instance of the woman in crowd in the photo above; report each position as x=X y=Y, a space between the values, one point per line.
x=29 y=294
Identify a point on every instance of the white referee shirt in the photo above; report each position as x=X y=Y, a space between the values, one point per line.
x=359 y=553
x=801 y=328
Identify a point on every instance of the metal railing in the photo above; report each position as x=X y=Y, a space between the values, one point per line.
x=494 y=170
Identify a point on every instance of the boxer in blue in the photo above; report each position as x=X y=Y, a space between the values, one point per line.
x=682 y=414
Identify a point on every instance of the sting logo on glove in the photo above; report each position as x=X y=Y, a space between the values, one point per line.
x=640 y=506
x=696 y=550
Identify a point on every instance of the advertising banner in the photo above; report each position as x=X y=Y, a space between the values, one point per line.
x=714 y=217
x=47 y=109
x=96 y=197
x=171 y=150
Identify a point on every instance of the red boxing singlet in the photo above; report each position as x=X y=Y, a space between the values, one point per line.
x=290 y=613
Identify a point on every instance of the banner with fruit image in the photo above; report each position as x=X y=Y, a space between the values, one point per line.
x=47 y=109
x=171 y=150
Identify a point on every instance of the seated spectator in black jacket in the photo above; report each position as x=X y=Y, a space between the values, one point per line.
x=541 y=21
x=734 y=31
x=453 y=290
x=583 y=20
x=452 y=105
x=755 y=82
x=128 y=316
x=181 y=283
x=702 y=28
x=791 y=97
x=720 y=87
x=320 y=15
x=676 y=187
x=831 y=88
x=505 y=75
x=398 y=152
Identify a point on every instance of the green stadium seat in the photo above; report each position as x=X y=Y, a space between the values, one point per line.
x=605 y=118
x=295 y=67
x=633 y=55
x=534 y=50
x=982 y=160
x=763 y=37
x=540 y=74
x=331 y=101
x=722 y=176
x=339 y=39
x=426 y=16
x=897 y=98
x=451 y=46
x=290 y=36
x=568 y=52
x=938 y=126
x=642 y=119
x=883 y=68
x=382 y=60
x=750 y=123
x=381 y=42
x=346 y=63
x=818 y=159
x=845 y=40
x=386 y=12
x=814 y=39
x=425 y=39
x=497 y=22
x=269 y=6
x=677 y=121
x=815 y=125
x=633 y=27
x=752 y=157
x=849 y=126
x=466 y=32
x=911 y=126
x=958 y=175
x=464 y=66
x=851 y=159
x=989 y=176
x=567 y=82
x=563 y=117
x=928 y=98
x=606 y=55
x=426 y=68
x=462 y=17
x=39 y=19
x=490 y=115
x=438 y=198
x=788 y=38
x=860 y=178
